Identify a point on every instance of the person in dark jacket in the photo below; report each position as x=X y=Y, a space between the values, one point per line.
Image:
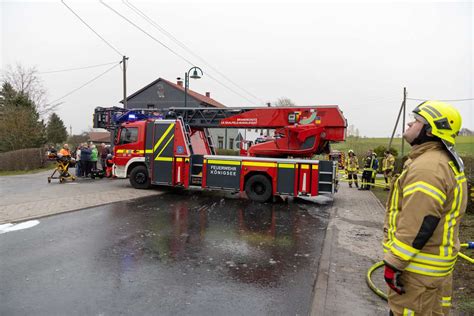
x=86 y=159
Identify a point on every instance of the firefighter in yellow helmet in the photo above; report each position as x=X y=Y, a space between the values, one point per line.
x=388 y=165
x=424 y=209
x=352 y=167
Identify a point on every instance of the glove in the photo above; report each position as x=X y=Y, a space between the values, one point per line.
x=392 y=277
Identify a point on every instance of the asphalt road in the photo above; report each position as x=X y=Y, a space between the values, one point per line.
x=186 y=253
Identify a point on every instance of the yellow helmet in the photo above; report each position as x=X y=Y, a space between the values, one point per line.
x=444 y=119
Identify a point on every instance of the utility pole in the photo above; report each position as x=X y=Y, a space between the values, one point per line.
x=268 y=130
x=402 y=110
x=403 y=121
x=124 y=62
x=70 y=130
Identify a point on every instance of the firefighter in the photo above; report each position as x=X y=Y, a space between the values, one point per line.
x=368 y=171
x=352 y=167
x=388 y=165
x=426 y=204
x=109 y=162
x=375 y=167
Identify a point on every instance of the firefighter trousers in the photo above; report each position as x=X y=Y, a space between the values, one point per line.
x=424 y=295
x=366 y=179
x=388 y=174
x=352 y=175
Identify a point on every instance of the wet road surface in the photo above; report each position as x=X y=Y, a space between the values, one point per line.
x=187 y=253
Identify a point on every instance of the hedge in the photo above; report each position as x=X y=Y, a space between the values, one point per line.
x=23 y=159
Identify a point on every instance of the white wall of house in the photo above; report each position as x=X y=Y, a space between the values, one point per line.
x=251 y=134
x=219 y=138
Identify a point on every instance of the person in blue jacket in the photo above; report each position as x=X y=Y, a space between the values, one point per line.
x=375 y=167
x=86 y=159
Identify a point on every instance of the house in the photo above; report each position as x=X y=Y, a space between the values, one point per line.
x=99 y=137
x=163 y=94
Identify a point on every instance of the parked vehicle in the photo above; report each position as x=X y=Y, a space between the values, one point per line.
x=174 y=148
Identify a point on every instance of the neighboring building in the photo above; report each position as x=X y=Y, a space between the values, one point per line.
x=465 y=132
x=99 y=137
x=162 y=94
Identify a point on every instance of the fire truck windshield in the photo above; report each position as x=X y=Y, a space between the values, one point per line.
x=127 y=135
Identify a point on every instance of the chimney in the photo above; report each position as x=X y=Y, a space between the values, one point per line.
x=208 y=94
x=179 y=82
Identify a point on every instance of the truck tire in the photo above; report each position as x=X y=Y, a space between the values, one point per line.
x=139 y=178
x=258 y=188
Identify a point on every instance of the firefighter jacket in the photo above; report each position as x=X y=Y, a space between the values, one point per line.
x=369 y=163
x=388 y=163
x=352 y=164
x=425 y=207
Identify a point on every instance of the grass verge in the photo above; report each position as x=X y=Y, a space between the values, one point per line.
x=463 y=282
x=20 y=172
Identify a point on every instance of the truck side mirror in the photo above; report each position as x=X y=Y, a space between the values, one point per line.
x=117 y=137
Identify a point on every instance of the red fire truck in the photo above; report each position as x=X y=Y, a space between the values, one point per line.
x=173 y=147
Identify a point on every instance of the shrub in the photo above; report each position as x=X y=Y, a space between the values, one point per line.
x=23 y=159
x=380 y=151
x=469 y=172
x=227 y=152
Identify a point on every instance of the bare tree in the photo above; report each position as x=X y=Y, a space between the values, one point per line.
x=351 y=130
x=284 y=101
x=26 y=81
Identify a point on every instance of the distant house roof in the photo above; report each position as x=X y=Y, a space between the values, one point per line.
x=99 y=137
x=206 y=101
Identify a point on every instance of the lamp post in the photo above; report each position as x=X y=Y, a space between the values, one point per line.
x=195 y=75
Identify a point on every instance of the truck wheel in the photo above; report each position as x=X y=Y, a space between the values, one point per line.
x=139 y=178
x=258 y=188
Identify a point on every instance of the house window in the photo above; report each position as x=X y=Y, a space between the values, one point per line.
x=220 y=142
x=150 y=106
x=231 y=143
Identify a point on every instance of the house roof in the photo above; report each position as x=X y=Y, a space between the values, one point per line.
x=201 y=98
x=99 y=137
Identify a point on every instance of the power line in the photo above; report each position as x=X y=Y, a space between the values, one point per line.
x=103 y=39
x=186 y=48
x=171 y=50
x=85 y=84
x=78 y=68
x=452 y=100
x=148 y=34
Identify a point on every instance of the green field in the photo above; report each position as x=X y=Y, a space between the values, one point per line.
x=360 y=145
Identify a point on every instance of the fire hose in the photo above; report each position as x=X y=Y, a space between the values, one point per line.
x=382 y=294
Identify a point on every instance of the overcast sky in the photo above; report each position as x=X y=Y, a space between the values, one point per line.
x=356 y=55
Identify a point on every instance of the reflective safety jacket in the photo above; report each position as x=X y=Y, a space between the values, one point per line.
x=65 y=152
x=425 y=207
x=369 y=163
x=388 y=163
x=352 y=164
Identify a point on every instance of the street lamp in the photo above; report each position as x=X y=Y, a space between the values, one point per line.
x=195 y=75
